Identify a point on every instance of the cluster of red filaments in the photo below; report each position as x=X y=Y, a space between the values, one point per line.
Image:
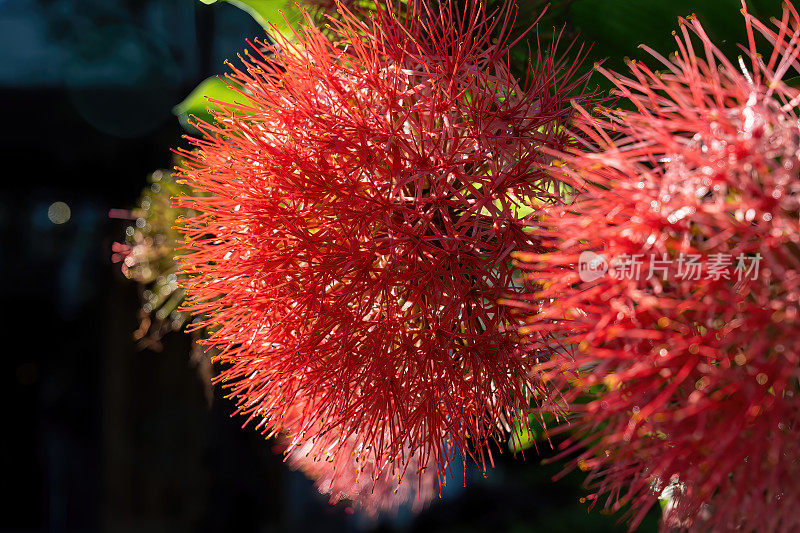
x=358 y=231
x=686 y=382
x=342 y=466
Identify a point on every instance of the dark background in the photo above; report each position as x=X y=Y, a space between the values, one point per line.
x=101 y=435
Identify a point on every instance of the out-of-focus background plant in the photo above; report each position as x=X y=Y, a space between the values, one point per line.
x=148 y=257
x=110 y=424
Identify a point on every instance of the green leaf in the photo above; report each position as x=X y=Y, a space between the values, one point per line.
x=197 y=103
x=524 y=435
x=272 y=15
x=520 y=439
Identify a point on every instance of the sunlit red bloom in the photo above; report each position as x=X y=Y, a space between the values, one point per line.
x=668 y=378
x=358 y=236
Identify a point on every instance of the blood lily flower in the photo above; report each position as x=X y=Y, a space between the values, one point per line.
x=673 y=288
x=362 y=212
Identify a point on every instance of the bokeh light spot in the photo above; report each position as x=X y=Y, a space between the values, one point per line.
x=59 y=213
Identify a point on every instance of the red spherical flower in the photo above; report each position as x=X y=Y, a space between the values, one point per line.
x=362 y=214
x=673 y=288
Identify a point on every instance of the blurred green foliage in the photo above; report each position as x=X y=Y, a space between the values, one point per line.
x=152 y=243
x=204 y=99
x=616 y=28
x=273 y=15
